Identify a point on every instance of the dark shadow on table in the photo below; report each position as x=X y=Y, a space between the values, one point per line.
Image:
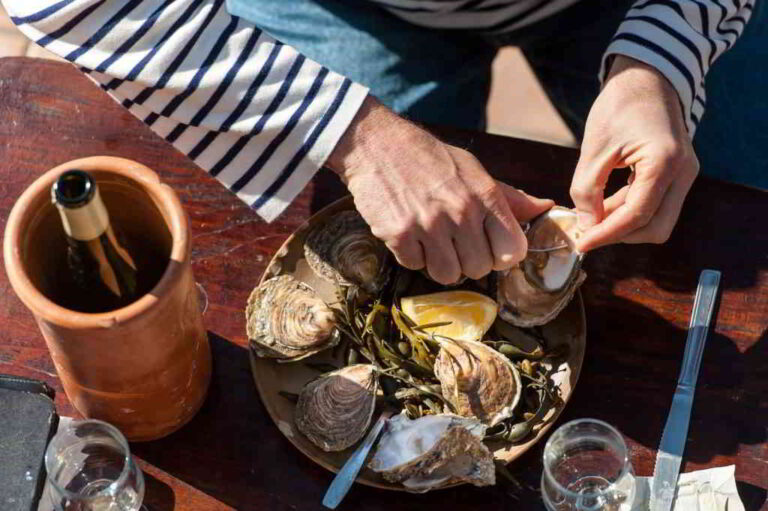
x=233 y=452
x=327 y=188
x=158 y=496
x=751 y=496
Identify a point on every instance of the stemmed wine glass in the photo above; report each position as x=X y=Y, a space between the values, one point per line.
x=587 y=468
x=90 y=468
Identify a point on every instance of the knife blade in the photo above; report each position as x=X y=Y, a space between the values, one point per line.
x=348 y=473
x=672 y=446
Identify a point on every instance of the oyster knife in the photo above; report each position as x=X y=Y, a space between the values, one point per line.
x=670 y=454
x=348 y=473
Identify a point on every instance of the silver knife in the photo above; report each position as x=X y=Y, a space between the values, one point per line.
x=672 y=445
x=348 y=473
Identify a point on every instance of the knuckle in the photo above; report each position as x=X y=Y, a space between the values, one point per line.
x=693 y=167
x=641 y=217
x=443 y=276
x=401 y=229
x=487 y=190
x=407 y=261
x=433 y=222
x=465 y=211
x=476 y=271
x=397 y=235
x=673 y=153
x=485 y=269
x=581 y=192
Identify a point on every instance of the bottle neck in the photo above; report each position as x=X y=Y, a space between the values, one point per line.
x=86 y=222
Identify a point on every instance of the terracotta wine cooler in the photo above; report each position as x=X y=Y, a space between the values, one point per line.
x=145 y=367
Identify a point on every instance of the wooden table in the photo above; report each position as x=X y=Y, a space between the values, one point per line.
x=638 y=301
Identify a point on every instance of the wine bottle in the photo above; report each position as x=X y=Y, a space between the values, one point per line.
x=98 y=264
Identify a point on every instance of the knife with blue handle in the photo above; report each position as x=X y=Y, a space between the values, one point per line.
x=348 y=473
x=670 y=453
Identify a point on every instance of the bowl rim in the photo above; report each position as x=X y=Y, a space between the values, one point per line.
x=346 y=203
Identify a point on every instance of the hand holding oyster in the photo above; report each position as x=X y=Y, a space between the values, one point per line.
x=470 y=386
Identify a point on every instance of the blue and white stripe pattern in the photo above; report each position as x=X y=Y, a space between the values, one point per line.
x=681 y=38
x=253 y=112
x=262 y=118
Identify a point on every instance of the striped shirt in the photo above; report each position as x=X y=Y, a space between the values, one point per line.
x=262 y=118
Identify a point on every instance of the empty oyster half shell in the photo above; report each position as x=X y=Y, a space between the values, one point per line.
x=434 y=451
x=344 y=251
x=334 y=410
x=536 y=290
x=478 y=381
x=286 y=319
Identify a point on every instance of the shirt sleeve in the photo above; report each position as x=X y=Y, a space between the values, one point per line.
x=251 y=111
x=680 y=38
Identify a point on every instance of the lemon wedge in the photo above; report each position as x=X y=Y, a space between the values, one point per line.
x=470 y=314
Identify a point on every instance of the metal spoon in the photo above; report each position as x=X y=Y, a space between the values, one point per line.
x=348 y=473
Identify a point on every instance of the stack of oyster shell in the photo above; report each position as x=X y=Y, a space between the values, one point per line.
x=288 y=321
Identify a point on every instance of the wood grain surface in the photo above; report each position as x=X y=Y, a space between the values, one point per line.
x=638 y=300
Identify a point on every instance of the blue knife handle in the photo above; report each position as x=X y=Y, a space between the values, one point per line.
x=348 y=473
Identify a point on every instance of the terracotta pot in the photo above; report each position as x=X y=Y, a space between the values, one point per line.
x=145 y=367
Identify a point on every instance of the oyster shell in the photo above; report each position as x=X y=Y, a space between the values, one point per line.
x=434 y=451
x=334 y=410
x=344 y=251
x=478 y=381
x=286 y=319
x=536 y=290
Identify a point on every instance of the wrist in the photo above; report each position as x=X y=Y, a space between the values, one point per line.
x=639 y=81
x=371 y=120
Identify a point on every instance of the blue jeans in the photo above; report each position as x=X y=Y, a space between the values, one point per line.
x=443 y=77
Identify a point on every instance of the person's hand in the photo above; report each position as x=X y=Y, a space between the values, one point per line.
x=635 y=122
x=433 y=204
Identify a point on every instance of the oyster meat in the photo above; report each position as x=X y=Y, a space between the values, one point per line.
x=478 y=381
x=344 y=251
x=434 y=451
x=334 y=410
x=286 y=319
x=536 y=290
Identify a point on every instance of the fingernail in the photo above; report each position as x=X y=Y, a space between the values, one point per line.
x=585 y=220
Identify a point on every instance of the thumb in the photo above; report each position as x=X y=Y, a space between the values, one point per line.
x=522 y=205
x=588 y=185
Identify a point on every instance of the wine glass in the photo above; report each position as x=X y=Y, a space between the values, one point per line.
x=587 y=468
x=90 y=468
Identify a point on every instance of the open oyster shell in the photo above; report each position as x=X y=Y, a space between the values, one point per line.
x=286 y=319
x=334 y=410
x=345 y=252
x=535 y=291
x=478 y=381
x=434 y=451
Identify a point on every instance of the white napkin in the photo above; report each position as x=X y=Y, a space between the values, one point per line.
x=713 y=489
